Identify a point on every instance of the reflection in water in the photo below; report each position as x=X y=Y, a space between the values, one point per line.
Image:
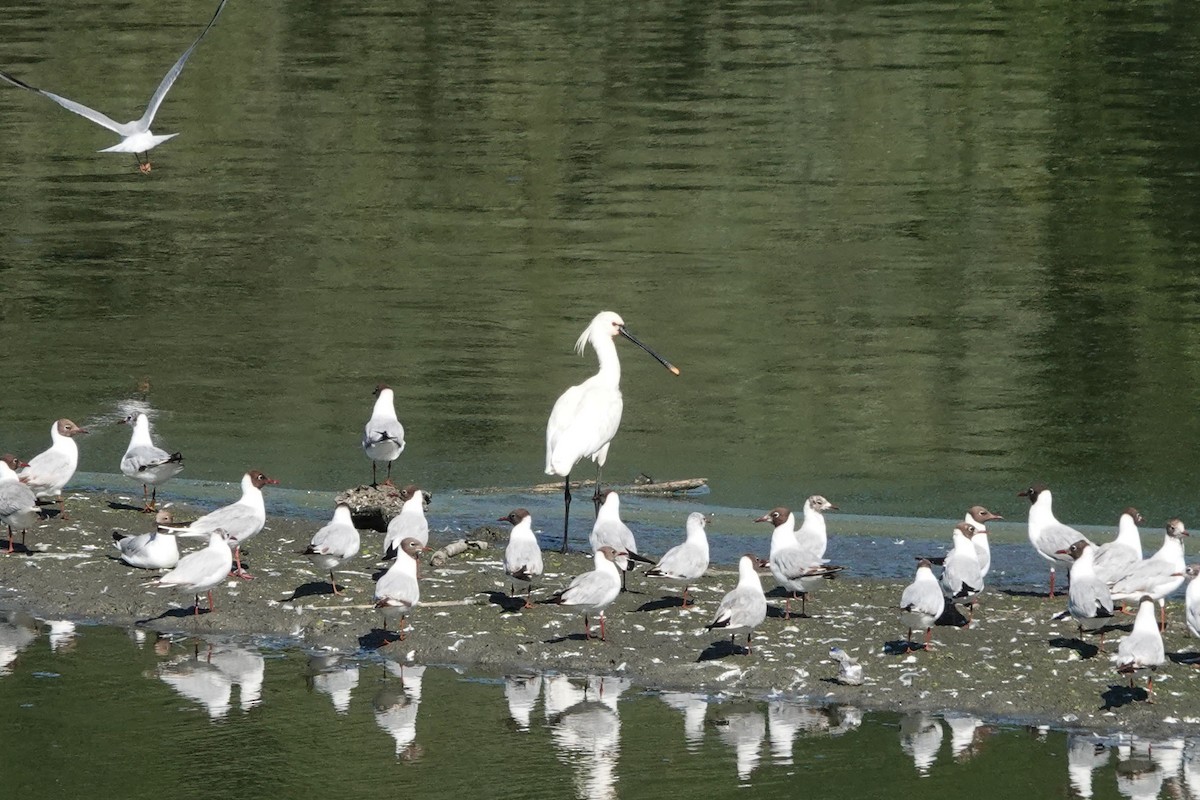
x=587 y=730
x=921 y=737
x=693 y=706
x=334 y=679
x=62 y=635
x=966 y=734
x=1191 y=767
x=17 y=631
x=209 y=674
x=522 y=692
x=1085 y=754
x=744 y=731
x=396 y=707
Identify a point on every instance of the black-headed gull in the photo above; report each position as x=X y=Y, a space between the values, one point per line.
x=1142 y=650
x=522 y=556
x=1116 y=558
x=979 y=517
x=744 y=607
x=1157 y=576
x=383 y=435
x=135 y=135
x=812 y=533
x=410 y=523
x=611 y=530
x=240 y=520
x=50 y=470
x=147 y=463
x=593 y=591
x=200 y=571
x=155 y=550
x=922 y=602
x=397 y=592
x=795 y=561
x=1192 y=600
x=18 y=506
x=961 y=579
x=685 y=562
x=335 y=543
x=1047 y=535
x=1088 y=600
x=586 y=416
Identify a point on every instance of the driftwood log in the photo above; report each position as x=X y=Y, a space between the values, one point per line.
x=439 y=558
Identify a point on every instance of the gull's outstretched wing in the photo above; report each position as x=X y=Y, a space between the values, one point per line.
x=169 y=79
x=79 y=108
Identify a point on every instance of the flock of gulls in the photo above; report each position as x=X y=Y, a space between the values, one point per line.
x=1107 y=581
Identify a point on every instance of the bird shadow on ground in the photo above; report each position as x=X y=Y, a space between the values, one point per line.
x=570 y=637
x=670 y=601
x=721 y=649
x=1119 y=695
x=1192 y=658
x=900 y=647
x=310 y=589
x=507 y=602
x=175 y=613
x=1029 y=593
x=117 y=505
x=377 y=639
x=1084 y=649
x=20 y=550
x=951 y=618
x=47 y=512
x=775 y=612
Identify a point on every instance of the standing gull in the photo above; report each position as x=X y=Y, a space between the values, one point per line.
x=1142 y=650
x=397 y=592
x=812 y=533
x=961 y=578
x=611 y=530
x=586 y=416
x=383 y=435
x=686 y=562
x=202 y=570
x=523 y=556
x=135 y=136
x=1192 y=600
x=979 y=517
x=744 y=607
x=50 y=470
x=797 y=567
x=18 y=506
x=922 y=603
x=1048 y=536
x=1157 y=576
x=1116 y=558
x=239 y=520
x=1088 y=600
x=146 y=463
x=335 y=543
x=594 y=591
x=410 y=523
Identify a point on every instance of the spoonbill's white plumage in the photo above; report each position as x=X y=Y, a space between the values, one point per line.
x=50 y=470
x=586 y=416
x=383 y=435
x=523 y=556
x=147 y=463
x=1048 y=536
x=135 y=135
x=335 y=543
x=18 y=506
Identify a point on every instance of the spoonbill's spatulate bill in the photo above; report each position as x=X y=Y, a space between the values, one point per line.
x=586 y=416
x=135 y=135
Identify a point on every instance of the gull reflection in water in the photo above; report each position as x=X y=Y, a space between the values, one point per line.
x=62 y=635
x=921 y=737
x=522 y=693
x=1085 y=754
x=327 y=675
x=17 y=631
x=694 y=707
x=967 y=733
x=744 y=731
x=209 y=674
x=396 y=707
x=587 y=730
x=786 y=720
x=1191 y=767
